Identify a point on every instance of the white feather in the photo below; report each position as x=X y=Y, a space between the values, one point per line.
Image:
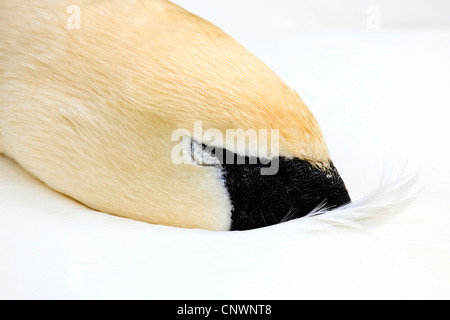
x=390 y=198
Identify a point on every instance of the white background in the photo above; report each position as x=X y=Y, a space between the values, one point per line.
x=263 y=17
x=378 y=82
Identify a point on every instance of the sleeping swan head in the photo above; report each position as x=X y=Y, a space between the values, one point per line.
x=149 y=112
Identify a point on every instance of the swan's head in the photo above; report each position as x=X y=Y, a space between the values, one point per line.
x=189 y=129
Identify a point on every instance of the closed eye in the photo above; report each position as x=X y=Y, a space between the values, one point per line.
x=203 y=155
x=210 y=156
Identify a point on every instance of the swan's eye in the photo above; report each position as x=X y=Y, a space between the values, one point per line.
x=203 y=155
